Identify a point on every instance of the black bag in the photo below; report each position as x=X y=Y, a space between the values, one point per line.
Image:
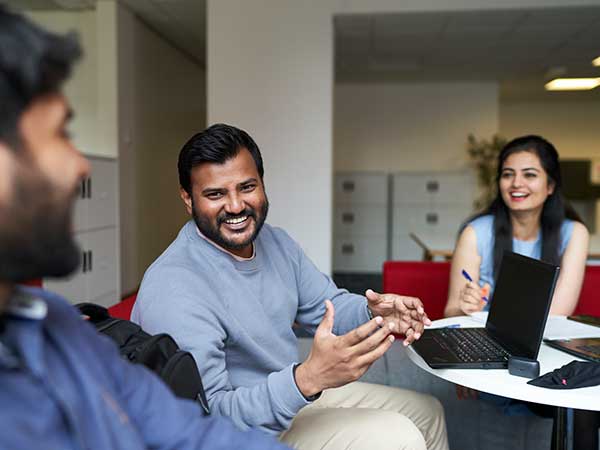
x=160 y=353
x=576 y=374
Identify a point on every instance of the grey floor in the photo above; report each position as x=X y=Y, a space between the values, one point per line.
x=472 y=424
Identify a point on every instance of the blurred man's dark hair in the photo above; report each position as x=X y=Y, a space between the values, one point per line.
x=33 y=63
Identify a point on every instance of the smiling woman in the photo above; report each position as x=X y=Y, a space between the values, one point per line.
x=528 y=216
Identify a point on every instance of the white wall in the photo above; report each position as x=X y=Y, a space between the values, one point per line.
x=573 y=127
x=270 y=71
x=162 y=100
x=92 y=89
x=81 y=88
x=107 y=83
x=410 y=126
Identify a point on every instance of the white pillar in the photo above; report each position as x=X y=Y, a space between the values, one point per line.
x=270 y=72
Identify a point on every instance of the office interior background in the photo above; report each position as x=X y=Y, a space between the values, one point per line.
x=361 y=109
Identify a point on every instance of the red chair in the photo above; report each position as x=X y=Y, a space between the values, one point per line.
x=430 y=281
x=427 y=280
x=122 y=310
x=589 y=298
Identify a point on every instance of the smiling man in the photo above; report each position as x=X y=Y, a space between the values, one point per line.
x=230 y=288
x=231 y=207
x=62 y=386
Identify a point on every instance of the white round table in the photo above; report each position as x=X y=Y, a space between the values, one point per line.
x=500 y=382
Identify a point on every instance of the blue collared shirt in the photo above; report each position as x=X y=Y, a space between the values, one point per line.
x=63 y=386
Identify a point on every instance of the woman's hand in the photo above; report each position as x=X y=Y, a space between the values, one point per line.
x=471 y=297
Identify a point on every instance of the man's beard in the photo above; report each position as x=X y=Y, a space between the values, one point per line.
x=212 y=231
x=35 y=235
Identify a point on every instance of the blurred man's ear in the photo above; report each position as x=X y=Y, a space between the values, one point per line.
x=187 y=199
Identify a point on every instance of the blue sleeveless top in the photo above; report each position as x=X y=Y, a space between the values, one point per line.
x=484 y=230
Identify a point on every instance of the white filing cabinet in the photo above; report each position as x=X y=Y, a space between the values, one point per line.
x=96 y=231
x=432 y=205
x=360 y=222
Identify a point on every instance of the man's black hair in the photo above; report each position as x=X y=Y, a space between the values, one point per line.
x=33 y=63
x=217 y=144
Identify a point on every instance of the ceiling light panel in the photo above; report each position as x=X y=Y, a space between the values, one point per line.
x=572 y=84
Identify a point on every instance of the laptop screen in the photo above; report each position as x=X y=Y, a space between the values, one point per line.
x=521 y=302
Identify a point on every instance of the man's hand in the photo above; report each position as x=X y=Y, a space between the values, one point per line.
x=338 y=360
x=406 y=313
x=471 y=297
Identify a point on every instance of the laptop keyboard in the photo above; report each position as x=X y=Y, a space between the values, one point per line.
x=470 y=344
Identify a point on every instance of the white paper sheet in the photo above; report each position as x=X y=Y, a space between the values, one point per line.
x=559 y=327
x=480 y=316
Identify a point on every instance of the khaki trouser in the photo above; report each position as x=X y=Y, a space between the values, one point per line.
x=364 y=416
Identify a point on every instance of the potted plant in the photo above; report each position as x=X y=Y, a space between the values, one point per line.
x=483 y=154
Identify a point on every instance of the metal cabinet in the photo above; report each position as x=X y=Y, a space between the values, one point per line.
x=432 y=205
x=375 y=212
x=359 y=254
x=360 y=222
x=356 y=188
x=439 y=188
x=95 y=222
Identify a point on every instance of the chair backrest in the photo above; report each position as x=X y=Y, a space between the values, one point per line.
x=122 y=310
x=589 y=298
x=427 y=280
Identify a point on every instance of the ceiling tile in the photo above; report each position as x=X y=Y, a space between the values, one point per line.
x=564 y=16
x=471 y=45
x=486 y=20
x=418 y=23
x=352 y=25
x=352 y=46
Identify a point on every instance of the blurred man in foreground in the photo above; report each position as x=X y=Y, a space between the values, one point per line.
x=61 y=385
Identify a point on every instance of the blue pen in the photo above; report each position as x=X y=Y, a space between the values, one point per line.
x=468 y=277
x=453 y=325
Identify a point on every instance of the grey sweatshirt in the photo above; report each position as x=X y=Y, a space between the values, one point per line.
x=236 y=318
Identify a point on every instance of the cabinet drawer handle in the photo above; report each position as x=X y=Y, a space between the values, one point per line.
x=348 y=186
x=431 y=218
x=347 y=249
x=348 y=217
x=433 y=186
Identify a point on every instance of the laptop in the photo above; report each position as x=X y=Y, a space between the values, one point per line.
x=515 y=324
x=585 y=348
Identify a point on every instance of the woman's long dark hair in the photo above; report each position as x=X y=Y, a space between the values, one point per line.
x=555 y=209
